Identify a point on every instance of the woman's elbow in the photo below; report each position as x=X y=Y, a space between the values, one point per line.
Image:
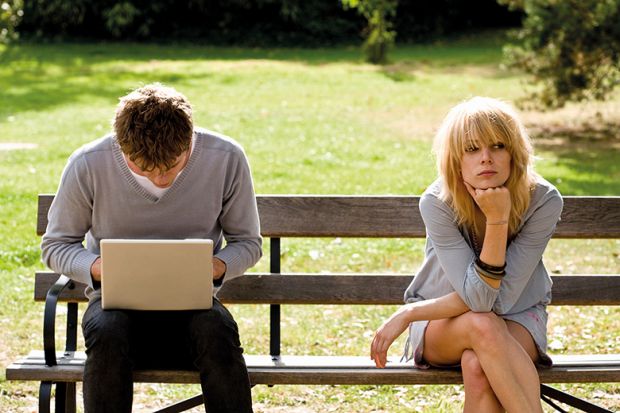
x=478 y=305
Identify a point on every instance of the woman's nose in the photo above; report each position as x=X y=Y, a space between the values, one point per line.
x=485 y=155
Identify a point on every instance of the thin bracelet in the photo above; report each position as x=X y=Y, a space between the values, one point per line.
x=497 y=223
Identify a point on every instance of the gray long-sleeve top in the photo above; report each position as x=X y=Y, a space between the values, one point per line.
x=449 y=258
x=212 y=198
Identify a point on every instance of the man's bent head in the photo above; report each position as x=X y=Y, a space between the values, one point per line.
x=154 y=126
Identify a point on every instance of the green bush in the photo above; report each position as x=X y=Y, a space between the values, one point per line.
x=571 y=48
x=379 y=32
x=10 y=14
x=256 y=22
x=121 y=17
x=240 y=22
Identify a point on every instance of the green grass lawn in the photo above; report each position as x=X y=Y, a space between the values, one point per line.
x=312 y=121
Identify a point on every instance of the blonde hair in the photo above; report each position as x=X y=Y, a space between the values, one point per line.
x=482 y=121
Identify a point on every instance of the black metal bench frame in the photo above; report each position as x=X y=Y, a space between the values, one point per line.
x=293 y=216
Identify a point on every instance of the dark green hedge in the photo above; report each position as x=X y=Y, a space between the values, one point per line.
x=249 y=22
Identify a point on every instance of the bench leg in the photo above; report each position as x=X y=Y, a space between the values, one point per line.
x=45 y=396
x=71 y=398
x=183 y=405
x=547 y=393
x=65 y=397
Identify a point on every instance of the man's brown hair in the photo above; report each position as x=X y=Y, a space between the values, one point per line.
x=153 y=126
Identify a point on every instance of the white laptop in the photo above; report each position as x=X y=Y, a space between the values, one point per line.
x=156 y=274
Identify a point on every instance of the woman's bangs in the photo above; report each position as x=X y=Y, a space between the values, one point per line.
x=473 y=135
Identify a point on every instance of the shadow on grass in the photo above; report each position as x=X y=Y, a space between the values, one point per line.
x=41 y=76
x=36 y=78
x=586 y=157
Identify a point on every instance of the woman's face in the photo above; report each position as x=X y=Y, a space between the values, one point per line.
x=486 y=167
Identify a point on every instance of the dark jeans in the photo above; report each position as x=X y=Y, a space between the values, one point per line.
x=119 y=341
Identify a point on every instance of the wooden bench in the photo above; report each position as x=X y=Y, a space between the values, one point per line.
x=331 y=216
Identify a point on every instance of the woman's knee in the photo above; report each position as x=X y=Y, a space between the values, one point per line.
x=474 y=376
x=486 y=328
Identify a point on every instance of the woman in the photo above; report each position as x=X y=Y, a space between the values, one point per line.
x=479 y=299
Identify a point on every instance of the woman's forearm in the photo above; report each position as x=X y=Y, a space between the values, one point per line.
x=494 y=249
x=447 y=306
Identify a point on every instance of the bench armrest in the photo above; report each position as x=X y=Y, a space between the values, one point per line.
x=49 y=320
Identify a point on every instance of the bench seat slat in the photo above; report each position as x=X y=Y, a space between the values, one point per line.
x=358 y=289
x=323 y=370
x=310 y=216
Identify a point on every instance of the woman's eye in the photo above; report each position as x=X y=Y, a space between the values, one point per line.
x=499 y=146
x=471 y=149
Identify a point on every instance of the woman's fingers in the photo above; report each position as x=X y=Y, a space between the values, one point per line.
x=385 y=335
x=376 y=350
x=379 y=348
x=470 y=189
x=491 y=201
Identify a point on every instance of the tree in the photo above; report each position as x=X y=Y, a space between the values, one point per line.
x=11 y=12
x=571 y=48
x=379 y=34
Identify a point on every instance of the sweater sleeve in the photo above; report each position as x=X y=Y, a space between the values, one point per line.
x=239 y=220
x=69 y=219
x=524 y=254
x=455 y=256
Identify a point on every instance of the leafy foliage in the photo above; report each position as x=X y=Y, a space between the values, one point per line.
x=571 y=48
x=258 y=22
x=10 y=15
x=379 y=32
x=240 y=22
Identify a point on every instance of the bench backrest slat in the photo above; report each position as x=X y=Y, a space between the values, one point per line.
x=359 y=289
x=392 y=216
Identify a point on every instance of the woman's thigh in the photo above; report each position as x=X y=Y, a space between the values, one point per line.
x=446 y=339
x=524 y=338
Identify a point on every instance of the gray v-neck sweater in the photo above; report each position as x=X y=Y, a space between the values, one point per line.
x=213 y=198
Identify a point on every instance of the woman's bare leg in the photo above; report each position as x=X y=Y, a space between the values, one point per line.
x=479 y=396
x=525 y=340
x=507 y=366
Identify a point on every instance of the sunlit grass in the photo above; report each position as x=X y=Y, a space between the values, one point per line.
x=313 y=122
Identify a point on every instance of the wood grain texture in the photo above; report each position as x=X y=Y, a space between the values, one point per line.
x=361 y=216
x=391 y=216
x=356 y=289
x=322 y=370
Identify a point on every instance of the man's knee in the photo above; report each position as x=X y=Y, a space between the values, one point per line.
x=108 y=328
x=214 y=319
x=214 y=327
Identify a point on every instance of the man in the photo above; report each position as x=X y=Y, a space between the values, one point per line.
x=156 y=177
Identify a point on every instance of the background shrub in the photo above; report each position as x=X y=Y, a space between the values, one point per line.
x=250 y=22
x=571 y=48
x=10 y=15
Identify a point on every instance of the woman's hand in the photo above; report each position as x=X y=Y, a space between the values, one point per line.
x=389 y=331
x=495 y=203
